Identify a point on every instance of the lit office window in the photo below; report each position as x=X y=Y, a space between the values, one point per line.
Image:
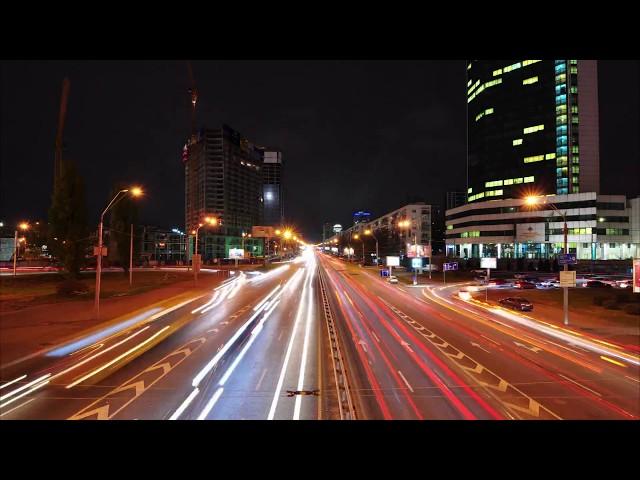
x=574 y=108
x=497 y=72
x=529 y=62
x=561 y=108
x=561 y=161
x=495 y=183
x=469 y=82
x=574 y=119
x=508 y=181
x=517 y=180
x=512 y=67
x=517 y=141
x=550 y=156
x=561 y=78
x=561 y=68
x=575 y=149
x=528 y=179
x=533 y=129
x=529 y=81
x=469 y=190
x=534 y=158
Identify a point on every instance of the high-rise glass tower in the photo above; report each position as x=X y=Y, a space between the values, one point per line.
x=532 y=128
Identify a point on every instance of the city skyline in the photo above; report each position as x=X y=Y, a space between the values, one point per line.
x=380 y=126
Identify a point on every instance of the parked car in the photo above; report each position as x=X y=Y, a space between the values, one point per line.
x=522 y=284
x=596 y=284
x=392 y=279
x=516 y=303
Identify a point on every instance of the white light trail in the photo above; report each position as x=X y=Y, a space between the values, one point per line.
x=305 y=348
x=283 y=371
x=117 y=359
x=13 y=381
x=211 y=403
x=24 y=387
x=265 y=299
x=36 y=387
x=184 y=405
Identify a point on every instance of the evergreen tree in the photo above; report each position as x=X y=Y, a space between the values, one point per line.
x=68 y=232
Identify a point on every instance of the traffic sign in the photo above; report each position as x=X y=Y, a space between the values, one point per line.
x=384 y=273
x=488 y=262
x=567 y=259
x=450 y=266
x=568 y=278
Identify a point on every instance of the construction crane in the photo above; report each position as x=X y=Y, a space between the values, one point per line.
x=62 y=115
x=193 y=92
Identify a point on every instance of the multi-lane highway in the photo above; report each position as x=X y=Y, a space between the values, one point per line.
x=424 y=353
x=258 y=347
x=250 y=349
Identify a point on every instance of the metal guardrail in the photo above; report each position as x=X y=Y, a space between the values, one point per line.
x=347 y=410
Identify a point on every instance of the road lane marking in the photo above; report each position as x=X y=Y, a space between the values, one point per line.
x=305 y=350
x=139 y=386
x=375 y=336
x=264 y=372
x=184 y=404
x=405 y=381
x=16 y=408
x=610 y=360
x=212 y=402
x=285 y=363
x=13 y=381
x=528 y=347
x=580 y=385
x=483 y=336
x=117 y=359
x=631 y=378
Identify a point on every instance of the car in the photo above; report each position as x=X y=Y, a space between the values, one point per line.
x=392 y=279
x=524 y=285
x=544 y=285
x=596 y=284
x=517 y=303
x=624 y=283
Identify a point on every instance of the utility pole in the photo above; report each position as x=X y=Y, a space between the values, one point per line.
x=131 y=258
x=62 y=115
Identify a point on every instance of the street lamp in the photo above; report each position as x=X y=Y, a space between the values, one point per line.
x=135 y=192
x=532 y=201
x=24 y=226
x=208 y=221
x=369 y=232
x=407 y=224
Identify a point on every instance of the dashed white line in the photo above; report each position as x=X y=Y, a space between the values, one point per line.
x=405 y=381
x=634 y=379
x=489 y=339
x=15 y=408
x=580 y=385
x=375 y=336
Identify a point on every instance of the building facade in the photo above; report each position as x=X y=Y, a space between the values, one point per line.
x=600 y=227
x=272 y=194
x=161 y=245
x=532 y=128
x=393 y=239
x=223 y=178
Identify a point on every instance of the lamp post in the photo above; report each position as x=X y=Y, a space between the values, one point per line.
x=131 y=258
x=370 y=232
x=357 y=237
x=533 y=200
x=407 y=224
x=135 y=192
x=24 y=226
x=196 y=266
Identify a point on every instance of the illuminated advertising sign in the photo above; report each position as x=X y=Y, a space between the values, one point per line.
x=236 y=253
x=334 y=249
x=393 y=261
x=489 y=262
x=262 y=232
x=416 y=262
x=417 y=250
x=636 y=275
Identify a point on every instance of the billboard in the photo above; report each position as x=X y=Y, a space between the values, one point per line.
x=416 y=262
x=488 y=262
x=263 y=232
x=236 y=253
x=393 y=261
x=530 y=232
x=568 y=278
x=636 y=275
x=7 y=247
x=417 y=250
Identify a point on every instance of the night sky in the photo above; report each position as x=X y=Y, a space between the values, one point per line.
x=354 y=134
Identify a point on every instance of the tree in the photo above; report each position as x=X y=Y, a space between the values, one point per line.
x=68 y=232
x=123 y=213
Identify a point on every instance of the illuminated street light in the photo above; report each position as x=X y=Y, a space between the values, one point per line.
x=24 y=226
x=369 y=232
x=532 y=200
x=211 y=221
x=135 y=192
x=288 y=234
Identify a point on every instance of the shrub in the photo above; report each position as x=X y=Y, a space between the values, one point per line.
x=632 y=309
x=611 y=305
x=71 y=287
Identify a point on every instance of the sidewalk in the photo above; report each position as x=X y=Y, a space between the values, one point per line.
x=29 y=330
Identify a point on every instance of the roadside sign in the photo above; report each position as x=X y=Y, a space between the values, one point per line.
x=636 y=275
x=567 y=259
x=393 y=261
x=236 y=253
x=568 y=278
x=488 y=262
x=450 y=266
x=196 y=259
x=96 y=251
x=416 y=262
x=384 y=273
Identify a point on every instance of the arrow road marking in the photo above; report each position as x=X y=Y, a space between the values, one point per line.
x=363 y=344
x=533 y=349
